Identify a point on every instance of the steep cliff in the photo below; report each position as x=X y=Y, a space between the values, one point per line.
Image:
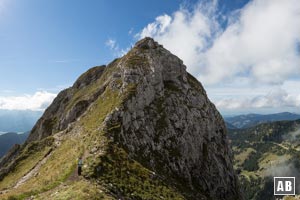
x=145 y=129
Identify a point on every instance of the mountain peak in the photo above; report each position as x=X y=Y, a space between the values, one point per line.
x=89 y=76
x=149 y=57
x=144 y=127
x=147 y=43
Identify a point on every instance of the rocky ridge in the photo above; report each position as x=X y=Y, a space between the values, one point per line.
x=140 y=120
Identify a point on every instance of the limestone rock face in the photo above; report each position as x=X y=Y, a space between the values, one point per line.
x=154 y=110
x=60 y=114
x=171 y=126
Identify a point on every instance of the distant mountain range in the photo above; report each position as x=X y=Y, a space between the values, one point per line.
x=229 y=125
x=18 y=120
x=7 y=140
x=251 y=120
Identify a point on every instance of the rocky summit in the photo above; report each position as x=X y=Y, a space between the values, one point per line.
x=144 y=128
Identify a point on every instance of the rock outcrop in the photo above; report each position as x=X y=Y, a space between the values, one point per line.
x=60 y=114
x=148 y=107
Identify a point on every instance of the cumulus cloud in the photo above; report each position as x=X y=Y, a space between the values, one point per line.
x=113 y=45
x=186 y=33
x=275 y=99
x=38 y=101
x=261 y=40
x=248 y=58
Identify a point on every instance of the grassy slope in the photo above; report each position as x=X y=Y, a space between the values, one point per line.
x=31 y=155
x=121 y=175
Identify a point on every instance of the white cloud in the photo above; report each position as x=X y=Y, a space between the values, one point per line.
x=243 y=96
x=249 y=63
x=275 y=99
x=158 y=27
x=185 y=33
x=113 y=45
x=38 y=101
x=260 y=41
x=130 y=32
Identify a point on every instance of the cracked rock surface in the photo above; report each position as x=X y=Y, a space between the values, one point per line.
x=166 y=122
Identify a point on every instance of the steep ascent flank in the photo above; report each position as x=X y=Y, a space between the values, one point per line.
x=145 y=129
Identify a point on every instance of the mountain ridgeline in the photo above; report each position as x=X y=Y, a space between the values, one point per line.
x=7 y=140
x=144 y=128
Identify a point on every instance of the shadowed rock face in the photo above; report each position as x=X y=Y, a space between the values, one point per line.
x=164 y=120
x=58 y=115
x=170 y=125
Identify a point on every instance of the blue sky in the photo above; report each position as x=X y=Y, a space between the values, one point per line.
x=46 y=45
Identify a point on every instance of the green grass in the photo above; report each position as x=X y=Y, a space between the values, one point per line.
x=107 y=102
x=134 y=61
x=113 y=168
x=128 y=177
x=78 y=190
x=29 y=157
x=242 y=156
x=93 y=88
x=49 y=124
x=55 y=171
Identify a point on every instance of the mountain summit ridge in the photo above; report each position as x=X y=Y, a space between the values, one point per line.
x=145 y=129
